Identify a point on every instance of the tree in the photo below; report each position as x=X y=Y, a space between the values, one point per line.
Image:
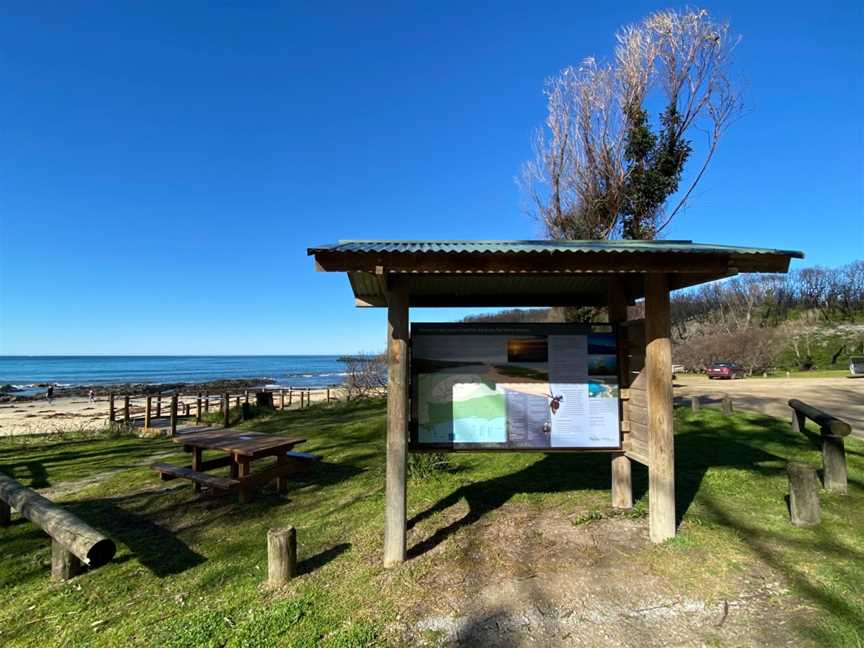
x=601 y=169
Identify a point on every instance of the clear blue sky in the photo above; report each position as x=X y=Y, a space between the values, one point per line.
x=165 y=165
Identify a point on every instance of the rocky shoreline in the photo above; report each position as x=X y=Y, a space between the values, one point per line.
x=8 y=393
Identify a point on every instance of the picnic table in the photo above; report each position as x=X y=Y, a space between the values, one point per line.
x=242 y=448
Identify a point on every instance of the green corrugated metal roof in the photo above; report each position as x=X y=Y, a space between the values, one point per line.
x=511 y=247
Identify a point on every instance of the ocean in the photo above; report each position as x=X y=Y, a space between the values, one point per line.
x=25 y=372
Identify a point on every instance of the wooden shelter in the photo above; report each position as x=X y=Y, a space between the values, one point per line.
x=612 y=274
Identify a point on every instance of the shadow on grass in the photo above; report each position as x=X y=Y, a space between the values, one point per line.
x=310 y=564
x=555 y=473
x=156 y=547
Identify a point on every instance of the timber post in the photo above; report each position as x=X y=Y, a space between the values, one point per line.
x=198 y=409
x=727 y=404
x=126 y=408
x=290 y=395
x=281 y=555
x=246 y=396
x=281 y=399
x=834 y=473
x=226 y=407
x=111 y=411
x=207 y=404
x=397 y=428
x=64 y=564
x=148 y=411
x=661 y=440
x=158 y=405
x=328 y=393
x=173 y=415
x=622 y=480
x=804 y=507
x=694 y=403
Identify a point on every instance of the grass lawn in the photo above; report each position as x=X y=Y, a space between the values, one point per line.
x=189 y=567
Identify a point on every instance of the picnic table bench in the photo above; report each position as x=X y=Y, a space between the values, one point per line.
x=241 y=447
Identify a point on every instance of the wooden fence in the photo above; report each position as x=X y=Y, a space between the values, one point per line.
x=144 y=409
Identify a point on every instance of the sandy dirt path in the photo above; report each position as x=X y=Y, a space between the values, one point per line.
x=842 y=397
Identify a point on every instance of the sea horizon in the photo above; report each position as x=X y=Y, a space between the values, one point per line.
x=26 y=373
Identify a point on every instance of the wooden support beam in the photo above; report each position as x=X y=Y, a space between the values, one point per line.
x=159 y=406
x=243 y=473
x=111 y=410
x=834 y=473
x=622 y=480
x=126 y=416
x=661 y=441
x=148 y=411
x=173 y=427
x=281 y=399
x=64 y=564
x=397 y=426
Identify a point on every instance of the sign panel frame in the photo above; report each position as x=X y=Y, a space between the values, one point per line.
x=522 y=346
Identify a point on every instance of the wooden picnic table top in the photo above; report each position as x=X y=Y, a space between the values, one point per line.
x=240 y=442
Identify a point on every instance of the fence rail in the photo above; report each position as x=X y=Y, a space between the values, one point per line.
x=147 y=408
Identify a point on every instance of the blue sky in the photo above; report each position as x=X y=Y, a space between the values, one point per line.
x=165 y=166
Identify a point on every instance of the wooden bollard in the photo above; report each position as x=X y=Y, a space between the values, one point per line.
x=158 y=405
x=206 y=404
x=281 y=399
x=803 y=494
x=174 y=415
x=226 y=406
x=198 y=409
x=111 y=412
x=290 y=396
x=147 y=411
x=694 y=403
x=237 y=402
x=246 y=396
x=834 y=475
x=281 y=555
x=328 y=393
x=727 y=404
x=126 y=408
x=301 y=399
x=64 y=564
x=308 y=396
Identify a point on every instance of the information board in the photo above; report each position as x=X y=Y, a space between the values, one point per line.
x=514 y=386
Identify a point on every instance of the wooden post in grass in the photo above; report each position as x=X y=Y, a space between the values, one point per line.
x=147 y=411
x=397 y=426
x=622 y=480
x=281 y=399
x=207 y=404
x=237 y=402
x=834 y=475
x=174 y=415
x=126 y=408
x=158 y=405
x=727 y=404
x=281 y=555
x=246 y=396
x=694 y=403
x=226 y=406
x=308 y=396
x=290 y=395
x=661 y=442
x=198 y=409
x=64 y=564
x=111 y=411
x=328 y=393
x=803 y=494
x=301 y=399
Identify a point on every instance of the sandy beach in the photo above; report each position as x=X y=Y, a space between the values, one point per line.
x=77 y=413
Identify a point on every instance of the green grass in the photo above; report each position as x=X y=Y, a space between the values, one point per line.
x=189 y=568
x=814 y=373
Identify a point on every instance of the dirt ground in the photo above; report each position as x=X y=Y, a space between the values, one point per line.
x=842 y=397
x=554 y=582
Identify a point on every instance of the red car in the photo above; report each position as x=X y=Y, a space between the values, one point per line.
x=727 y=370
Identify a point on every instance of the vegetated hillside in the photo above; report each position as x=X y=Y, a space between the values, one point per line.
x=807 y=319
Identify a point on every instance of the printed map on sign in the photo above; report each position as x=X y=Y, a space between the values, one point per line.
x=512 y=386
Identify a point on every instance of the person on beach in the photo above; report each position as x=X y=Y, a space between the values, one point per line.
x=50 y=394
x=92 y=395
